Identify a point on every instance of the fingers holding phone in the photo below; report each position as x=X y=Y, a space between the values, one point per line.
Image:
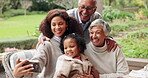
x=21 y=69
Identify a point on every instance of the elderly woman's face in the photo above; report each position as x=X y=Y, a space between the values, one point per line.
x=58 y=26
x=97 y=36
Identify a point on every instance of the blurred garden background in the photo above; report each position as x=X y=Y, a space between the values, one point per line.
x=19 y=21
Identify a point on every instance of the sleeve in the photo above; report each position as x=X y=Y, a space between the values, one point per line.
x=41 y=56
x=43 y=51
x=122 y=66
x=41 y=35
x=63 y=68
x=97 y=15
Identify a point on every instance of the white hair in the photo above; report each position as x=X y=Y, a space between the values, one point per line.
x=100 y=22
x=92 y=0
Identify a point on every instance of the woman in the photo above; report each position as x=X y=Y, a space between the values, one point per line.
x=55 y=26
x=109 y=63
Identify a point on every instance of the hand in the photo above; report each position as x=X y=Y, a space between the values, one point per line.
x=85 y=76
x=44 y=38
x=111 y=44
x=21 y=70
x=94 y=72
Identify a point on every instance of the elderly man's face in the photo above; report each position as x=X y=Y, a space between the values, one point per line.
x=97 y=36
x=85 y=9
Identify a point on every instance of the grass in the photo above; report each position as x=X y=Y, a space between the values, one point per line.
x=20 y=26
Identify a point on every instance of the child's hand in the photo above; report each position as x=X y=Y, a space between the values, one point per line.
x=21 y=70
x=85 y=76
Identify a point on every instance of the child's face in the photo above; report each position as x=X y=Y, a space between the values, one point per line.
x=58 y=26
x=71 y=48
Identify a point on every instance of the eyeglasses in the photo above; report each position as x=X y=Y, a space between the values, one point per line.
x=87 y=8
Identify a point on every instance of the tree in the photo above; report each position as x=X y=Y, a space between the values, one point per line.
x=68 y=4
x=2 y=4
x=25 y=5
x=15 y=4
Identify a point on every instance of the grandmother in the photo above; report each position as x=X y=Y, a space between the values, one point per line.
x=109 y=64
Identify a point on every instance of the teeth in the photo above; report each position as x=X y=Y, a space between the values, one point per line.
x=95 y=40
x=84 y=14
x=57 y=31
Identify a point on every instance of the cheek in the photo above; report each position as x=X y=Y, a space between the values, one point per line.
x=52 y=28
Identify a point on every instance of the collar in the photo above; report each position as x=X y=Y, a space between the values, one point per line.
x=75 y=59
x=57 y=38
x=98 y=49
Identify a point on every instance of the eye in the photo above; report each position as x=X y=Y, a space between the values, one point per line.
x=61 y=23
x=91 y=32
x=53 y=24
x=65 y=47
x=97 y=32
x=89 y=8
x=82 y=7
x=72 y=46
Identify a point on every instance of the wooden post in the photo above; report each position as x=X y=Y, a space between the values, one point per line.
x=99 y=6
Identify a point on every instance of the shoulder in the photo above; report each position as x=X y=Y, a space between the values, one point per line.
x=61 y=57
x=97 y=15
x=71 y=12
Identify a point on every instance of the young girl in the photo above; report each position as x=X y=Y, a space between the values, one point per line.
x=73 y=62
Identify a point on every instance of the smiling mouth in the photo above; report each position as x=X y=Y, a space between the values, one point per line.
x=95 y=40
x=58 y=31
x=69 y=53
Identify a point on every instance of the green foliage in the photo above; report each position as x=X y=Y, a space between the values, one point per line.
x=109 y=14
x=117 y=27
x=16 y=12
x=140 y=34
x=37 y=32
x=39 y=6
x=13 y=12
x=19 y=43
x=145 y=11
x=15 y=4
x=44 y=6
x=133 y=47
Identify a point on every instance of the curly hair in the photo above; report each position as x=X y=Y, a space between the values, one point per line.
x=79 y=41
x=72 y=23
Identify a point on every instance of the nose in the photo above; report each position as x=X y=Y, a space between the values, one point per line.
x=57 y=26
x=94 y=35
x=85 y=10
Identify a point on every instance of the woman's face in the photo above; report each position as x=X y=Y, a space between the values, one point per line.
x=58 y=26
x=97 y=36
x=71 y=48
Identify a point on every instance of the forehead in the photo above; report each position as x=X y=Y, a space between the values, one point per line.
x=69 y=40
x=87 y=2
x=96 y=28
x=57 y=18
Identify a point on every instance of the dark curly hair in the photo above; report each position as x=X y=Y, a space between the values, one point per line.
x=79 y=41
x=72 y=23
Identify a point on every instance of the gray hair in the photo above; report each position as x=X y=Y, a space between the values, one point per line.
x=100 y=22
x=92 y=0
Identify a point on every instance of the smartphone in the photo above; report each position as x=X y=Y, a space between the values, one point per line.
x=35 y=65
